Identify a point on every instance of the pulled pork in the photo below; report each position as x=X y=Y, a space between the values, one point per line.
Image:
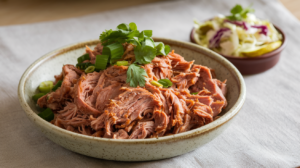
x=102 y=104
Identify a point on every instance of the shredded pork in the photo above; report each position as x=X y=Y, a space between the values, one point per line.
x=102 y=104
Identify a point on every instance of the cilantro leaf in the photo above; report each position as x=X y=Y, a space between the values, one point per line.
x=136 y=76
x=145 y=52
x=134 y=41
x=247 y=10
x=105 y=34
x=121 y=35
x=239 y=13
x=132 y=26
x=236 y=9
x=162 y=49
x=167 y=49
x=123 y=26
x=144 y=34
x=148 y=33
x=141 y=36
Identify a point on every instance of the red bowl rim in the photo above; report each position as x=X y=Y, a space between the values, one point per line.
x=264 y=56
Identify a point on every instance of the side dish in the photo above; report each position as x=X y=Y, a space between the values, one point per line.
x=130 y=87
x=241 y=34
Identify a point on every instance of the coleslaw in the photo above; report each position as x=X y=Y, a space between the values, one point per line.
x=241 y=34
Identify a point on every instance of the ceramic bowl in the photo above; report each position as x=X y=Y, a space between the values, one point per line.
x=254 y=65
x=132 y=150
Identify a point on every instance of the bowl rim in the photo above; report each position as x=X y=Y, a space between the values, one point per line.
x=264 y=56
x=189 y=134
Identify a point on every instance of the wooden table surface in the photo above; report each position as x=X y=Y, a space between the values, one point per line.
x=30 y=11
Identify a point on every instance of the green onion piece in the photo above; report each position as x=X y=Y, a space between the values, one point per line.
x=83 y=58
x=122 y=63
x=83 y=66
x=37 y=96
x=194 y=93
x=46 y=86
x=101 y=62
x=165 y=82
x=89 y=69
x=116 y=51
x=47 y=115
x=58 y=84
x=106 y=51
x=155 y=83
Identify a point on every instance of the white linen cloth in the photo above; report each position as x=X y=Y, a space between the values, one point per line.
x=266 y=132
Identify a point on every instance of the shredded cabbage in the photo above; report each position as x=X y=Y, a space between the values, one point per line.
x=235 y=37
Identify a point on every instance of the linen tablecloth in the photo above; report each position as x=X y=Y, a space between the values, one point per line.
x=266 y=132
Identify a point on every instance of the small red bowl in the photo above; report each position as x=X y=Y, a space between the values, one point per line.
x=254 y=65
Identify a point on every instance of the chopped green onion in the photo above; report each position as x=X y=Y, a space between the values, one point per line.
x=122 y=63
x=58 y=84
x=106 y=51
x=116 y=50
x=37 y=96
x=165 y=82
x=89 y=69
x=83 y=58
x=46 y=86
x=47 y=115
x=83 y=66
x=155 y=83
x=101 y=62
x=194 y=93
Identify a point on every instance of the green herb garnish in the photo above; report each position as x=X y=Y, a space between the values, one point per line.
x=165 y=82
x=84 y=65
x=194 y=93
x=155 y=83
x=115 y=51
x=101 y=62
x=136 y=75
x=122 y=63
x=57 y=85
x=83 y=58
x=161 y=48
x=90 y=69
x=47 y=114
x=37 y=96
x=239 y=13
x=145 y=50
x=46 y=86
x=124 y=33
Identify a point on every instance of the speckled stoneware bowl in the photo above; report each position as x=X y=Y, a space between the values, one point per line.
x=141 y=149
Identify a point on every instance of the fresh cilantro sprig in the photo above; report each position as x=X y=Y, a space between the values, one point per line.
x=145 y=49
x=120 y=35
x=136 y=76
x=145 y=52
x=239 y=13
